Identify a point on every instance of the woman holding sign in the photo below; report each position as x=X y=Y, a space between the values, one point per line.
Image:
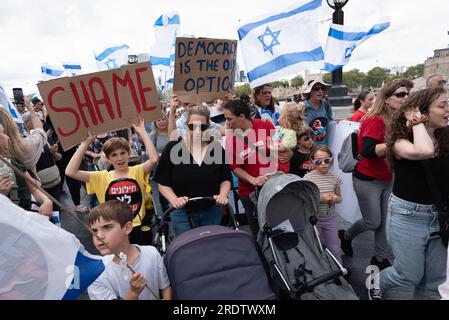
x=194 y=166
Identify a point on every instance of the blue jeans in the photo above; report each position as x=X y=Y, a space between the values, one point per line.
x=420 y=259
x=211 y=216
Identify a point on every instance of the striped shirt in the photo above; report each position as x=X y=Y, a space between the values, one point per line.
x=327 y=183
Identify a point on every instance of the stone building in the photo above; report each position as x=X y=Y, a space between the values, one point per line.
x=439 y=63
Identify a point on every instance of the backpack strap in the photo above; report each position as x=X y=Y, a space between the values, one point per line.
x=354 y=144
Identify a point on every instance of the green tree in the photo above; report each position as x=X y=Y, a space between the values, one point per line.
x=327 y=77
x=242 y=89
x=353 y=78
x=414 y=72
x=281 y=83
x=297 y=81
x=375 y=77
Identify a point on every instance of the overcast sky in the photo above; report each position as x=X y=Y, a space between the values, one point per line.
x=36 y=31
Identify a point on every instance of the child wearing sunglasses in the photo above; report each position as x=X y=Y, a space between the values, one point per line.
x=329 y=185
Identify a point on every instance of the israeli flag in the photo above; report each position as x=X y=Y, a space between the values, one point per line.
x=112 y=57
x=342 y=40
x=50 y=72
x=281 y=44
x=72 y=68
x=39 y=260
x=6 y=104
x=167 y=27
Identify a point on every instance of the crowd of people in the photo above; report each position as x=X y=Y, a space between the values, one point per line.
x=400 y=182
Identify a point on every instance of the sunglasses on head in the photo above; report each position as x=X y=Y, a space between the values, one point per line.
x=192 y=126
x=318 y=162
x=402 y=94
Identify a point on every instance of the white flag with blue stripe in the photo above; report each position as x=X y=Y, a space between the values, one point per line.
x=112 y=57
x=50 y=72
x=72 y=68
x=5 y=103
x=281 y=44
x=342 y=40
x=39 y=260
x=162 y=53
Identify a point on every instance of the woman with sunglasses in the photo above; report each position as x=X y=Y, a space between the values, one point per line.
x=418 y=150
x=329 y=185
x=372 y=178
x=194 y=166
x=318 y=111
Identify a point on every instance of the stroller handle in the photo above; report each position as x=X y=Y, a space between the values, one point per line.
x=166 y=214
x=308 y=287
x=195 y=199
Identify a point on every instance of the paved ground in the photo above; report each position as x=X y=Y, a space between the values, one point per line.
x=362 y=245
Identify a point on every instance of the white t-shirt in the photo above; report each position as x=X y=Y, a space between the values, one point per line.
x=111 y=283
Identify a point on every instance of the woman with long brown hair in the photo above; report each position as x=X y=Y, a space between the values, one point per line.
x=372 y=179
x=418 y=150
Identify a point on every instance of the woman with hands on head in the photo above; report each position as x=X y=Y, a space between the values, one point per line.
x=418 y=150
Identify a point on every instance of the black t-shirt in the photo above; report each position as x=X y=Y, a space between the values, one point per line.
x=300 y=163
x=410 y=181
x=178 y=170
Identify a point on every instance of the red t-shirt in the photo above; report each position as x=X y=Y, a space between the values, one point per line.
x=250 y=153
x=357 y=116
x=373 y=167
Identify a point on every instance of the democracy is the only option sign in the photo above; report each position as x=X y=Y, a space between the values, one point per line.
x=100 y=102
x=204 y=68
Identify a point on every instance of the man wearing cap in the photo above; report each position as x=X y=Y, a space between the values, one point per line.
x=318 y=111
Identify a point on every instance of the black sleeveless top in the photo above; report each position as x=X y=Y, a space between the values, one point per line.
x=410 y=181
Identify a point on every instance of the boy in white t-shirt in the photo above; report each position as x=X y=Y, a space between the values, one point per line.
x=112 y=223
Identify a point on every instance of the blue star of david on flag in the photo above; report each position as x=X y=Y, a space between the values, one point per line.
x=111 y=64
x=348 y=51
x=274 y=39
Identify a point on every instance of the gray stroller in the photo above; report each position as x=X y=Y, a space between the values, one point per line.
x=300 y=266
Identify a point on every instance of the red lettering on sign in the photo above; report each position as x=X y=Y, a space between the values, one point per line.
x=52 y=106
x=105 y=99
x=142 y=90
x=87 y=104
x=126 y=81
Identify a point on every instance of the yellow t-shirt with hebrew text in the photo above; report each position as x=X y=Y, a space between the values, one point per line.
x=134 y=190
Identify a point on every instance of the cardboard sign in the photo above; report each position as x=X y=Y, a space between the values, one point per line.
x=204 y=69
x=100 y=102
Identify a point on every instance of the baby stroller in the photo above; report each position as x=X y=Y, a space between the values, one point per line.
x=212 y=262
x=162 y=223
x=216 y=263
x=300 y=266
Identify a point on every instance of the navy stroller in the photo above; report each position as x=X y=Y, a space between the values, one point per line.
x=216 y=263
x=300 y=266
